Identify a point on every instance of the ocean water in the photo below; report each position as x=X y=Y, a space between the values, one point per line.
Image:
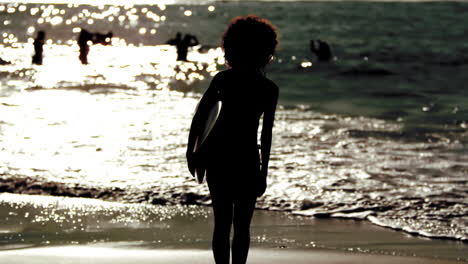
x=380 y=133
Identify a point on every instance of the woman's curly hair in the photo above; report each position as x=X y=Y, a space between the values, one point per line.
x=249 y=42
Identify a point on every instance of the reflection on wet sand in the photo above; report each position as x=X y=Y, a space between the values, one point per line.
x=60 y=227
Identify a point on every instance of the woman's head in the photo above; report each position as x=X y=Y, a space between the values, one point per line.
x=249 y=42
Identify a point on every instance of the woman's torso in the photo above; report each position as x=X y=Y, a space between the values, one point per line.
x=233 y=142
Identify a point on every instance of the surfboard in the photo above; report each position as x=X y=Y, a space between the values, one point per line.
x=207 y=126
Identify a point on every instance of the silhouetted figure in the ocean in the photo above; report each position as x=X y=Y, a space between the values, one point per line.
x=83 y=39
x=321 y=49
x=182 y=44
x=86 y=38
x=236 y=174
x=177 y=39
x=38 y=48
x=103 y=39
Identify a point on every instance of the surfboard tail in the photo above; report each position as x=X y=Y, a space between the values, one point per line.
x=200 y=174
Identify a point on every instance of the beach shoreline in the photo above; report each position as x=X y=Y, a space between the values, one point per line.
x=51 y=229
x=109 y=254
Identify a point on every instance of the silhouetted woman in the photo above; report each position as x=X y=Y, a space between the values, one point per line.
x=235 y=174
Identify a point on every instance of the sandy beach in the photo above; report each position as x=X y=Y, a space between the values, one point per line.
x=109 y=254
x=46 y=229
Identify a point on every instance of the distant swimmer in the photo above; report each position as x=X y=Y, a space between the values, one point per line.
x=176 y=40
x=321 y=49
x=103 y=39
x=182 y=44
x=38 y=48
x=83 y=39
x=86 y=38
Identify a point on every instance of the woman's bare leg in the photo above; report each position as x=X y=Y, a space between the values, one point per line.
x=243 y=211
x=222 y=209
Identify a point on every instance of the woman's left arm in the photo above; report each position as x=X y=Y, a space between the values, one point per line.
x=266 y=137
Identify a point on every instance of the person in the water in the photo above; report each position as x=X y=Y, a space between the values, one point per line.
x=86 y=37
x=321 y=49
x=183 y=44
x=236 y=174
x=38 y=48
x=103 y=39
x=82 y=41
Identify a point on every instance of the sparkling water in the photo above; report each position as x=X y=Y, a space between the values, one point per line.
x=379 y=133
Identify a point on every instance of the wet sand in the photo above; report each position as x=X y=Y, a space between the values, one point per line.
x=46 y=229
x=111 y=255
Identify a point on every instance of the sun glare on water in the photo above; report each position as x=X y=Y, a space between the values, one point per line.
x=109 y=122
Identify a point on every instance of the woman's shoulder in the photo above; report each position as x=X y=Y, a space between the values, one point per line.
x=222 y=75
x=232 y=77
